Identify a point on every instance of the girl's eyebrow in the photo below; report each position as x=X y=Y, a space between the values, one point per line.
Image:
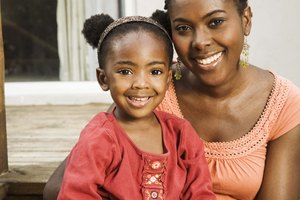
x=127 y=62
x=157 y=63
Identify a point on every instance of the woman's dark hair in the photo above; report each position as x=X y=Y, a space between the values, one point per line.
x=241 y=5
x=163 y=16
x=95 y=26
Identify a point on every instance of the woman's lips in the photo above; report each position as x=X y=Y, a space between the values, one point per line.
x=209 y=62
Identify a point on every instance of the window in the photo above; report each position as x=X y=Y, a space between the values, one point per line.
x=30 y=40
x=43 y=40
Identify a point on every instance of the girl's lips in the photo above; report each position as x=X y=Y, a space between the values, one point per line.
x=138 y=101
x=209 y=62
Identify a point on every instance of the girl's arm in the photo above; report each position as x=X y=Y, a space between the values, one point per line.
x=198 y=183
x=89 y=162
x=281 y=179
x=52 y=187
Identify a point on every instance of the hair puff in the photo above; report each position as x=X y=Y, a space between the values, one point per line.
x=94 y=26
x=162 y=17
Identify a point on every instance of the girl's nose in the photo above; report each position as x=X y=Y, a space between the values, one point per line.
x=140 y=81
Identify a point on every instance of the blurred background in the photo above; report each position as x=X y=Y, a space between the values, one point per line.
x=47 y=58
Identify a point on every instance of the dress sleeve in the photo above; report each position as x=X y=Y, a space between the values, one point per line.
x=87 y=165
x=289 y=116
x=198 y=182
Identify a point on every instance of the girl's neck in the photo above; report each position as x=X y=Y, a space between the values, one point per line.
x=128 y=122
x=145 y=133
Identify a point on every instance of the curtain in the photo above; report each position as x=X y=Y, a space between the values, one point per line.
x=78 y=60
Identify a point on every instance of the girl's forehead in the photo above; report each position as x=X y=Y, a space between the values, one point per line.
x=138 y=46
x=138 y=36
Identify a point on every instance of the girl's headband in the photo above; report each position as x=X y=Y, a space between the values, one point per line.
x=129 y=19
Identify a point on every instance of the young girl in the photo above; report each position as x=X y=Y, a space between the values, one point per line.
x=135 y=152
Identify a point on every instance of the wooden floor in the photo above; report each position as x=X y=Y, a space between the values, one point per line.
x=39 y=138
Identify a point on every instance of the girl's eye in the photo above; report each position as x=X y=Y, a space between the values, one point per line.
x=156 y=72
x=183 y=28
x=215 y=23
x=124 y=72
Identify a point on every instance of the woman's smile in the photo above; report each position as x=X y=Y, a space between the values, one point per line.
x=210 y=62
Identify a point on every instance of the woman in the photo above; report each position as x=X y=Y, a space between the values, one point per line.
x=248 y=117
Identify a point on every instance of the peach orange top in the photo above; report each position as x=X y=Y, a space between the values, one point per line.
x=237 y=166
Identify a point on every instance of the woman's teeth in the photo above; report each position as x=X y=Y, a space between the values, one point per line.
x=211 y=59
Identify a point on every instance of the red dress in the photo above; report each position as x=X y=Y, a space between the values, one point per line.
x=106 y=162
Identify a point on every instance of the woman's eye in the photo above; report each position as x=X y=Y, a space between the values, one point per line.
x=124 y=72
x=156 y=72
x=215 y=23
x=182 y=28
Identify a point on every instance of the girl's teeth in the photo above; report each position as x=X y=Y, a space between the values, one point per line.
x=139 y=99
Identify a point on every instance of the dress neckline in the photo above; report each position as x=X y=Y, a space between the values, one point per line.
x=137 y=149
x=257 y=135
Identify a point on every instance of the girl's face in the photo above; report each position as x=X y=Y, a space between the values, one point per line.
x=208 y=36
x=137 y=74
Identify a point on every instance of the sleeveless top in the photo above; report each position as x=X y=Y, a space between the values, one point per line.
x=237 y=166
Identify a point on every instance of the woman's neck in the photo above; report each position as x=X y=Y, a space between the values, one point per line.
x=233 y=84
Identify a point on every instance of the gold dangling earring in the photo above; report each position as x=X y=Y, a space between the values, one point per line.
x=177 y=74
x=245 y=54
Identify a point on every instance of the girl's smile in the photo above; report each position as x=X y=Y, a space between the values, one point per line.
x=138 y=102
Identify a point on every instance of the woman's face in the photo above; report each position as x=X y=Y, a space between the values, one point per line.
x=208 y=36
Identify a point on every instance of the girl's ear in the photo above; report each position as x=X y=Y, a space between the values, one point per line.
x=102 y=79
x=247 y=20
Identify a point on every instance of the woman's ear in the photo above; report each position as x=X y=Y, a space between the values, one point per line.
x=102 y=79
x=247 y=20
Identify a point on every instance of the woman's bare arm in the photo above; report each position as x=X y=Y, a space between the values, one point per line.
x=52 y=187
x=282 y=172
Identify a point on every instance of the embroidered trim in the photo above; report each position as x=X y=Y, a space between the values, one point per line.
x=257 y=136
x=259 y=133
x=154 y=173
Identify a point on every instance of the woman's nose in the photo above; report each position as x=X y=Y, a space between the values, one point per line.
x=201 y=39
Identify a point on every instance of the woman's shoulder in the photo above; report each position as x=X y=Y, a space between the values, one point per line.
x=285 y=105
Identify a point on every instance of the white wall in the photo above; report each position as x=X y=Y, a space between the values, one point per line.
x=145 y=8
x=275 y=37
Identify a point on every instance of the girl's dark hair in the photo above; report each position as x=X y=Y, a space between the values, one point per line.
x=95 y=26
x=163 y=16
